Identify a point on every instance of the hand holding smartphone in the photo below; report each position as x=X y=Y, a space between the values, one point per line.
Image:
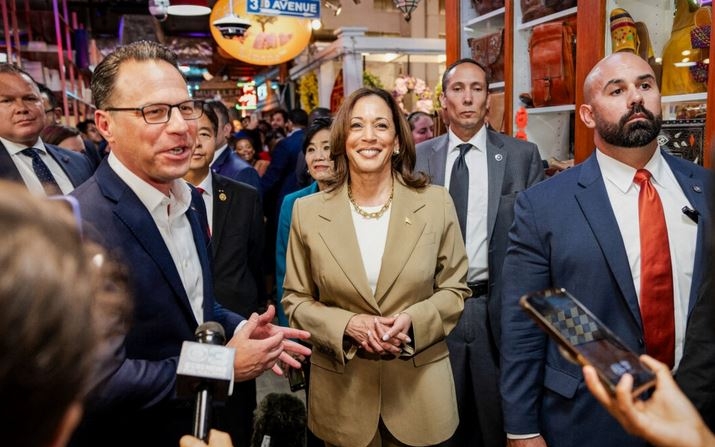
x=584 y=339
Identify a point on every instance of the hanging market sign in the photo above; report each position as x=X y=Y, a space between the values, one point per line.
x=292 y=8
x=270 y=40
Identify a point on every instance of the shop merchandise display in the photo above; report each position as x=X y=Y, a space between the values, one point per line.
x=552 y=56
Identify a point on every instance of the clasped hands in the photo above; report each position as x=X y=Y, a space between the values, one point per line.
x=260 y=345
x=380 y=335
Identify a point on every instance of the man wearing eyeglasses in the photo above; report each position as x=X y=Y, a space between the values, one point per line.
x=45 y=169
x=155 y=223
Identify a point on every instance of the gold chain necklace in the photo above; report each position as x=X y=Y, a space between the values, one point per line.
x=374 y=215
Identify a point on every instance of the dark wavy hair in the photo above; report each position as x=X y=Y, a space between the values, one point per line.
x=318 y=124
x=402 y=163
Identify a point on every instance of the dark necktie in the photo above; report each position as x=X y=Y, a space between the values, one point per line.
x=202 y=191
x=42 y=172
x=656 y=300
x=459 y=186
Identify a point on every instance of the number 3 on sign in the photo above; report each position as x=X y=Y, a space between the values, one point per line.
x=253 y=5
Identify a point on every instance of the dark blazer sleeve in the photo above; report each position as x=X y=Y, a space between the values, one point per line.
x=271 y=179
x=695 y=374
x=250 y=176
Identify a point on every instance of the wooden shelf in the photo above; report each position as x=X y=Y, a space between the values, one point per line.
x=592 y=44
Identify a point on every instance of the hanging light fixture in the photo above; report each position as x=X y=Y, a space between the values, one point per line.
x=406 y=6
x=188 y=8
x=232 y=26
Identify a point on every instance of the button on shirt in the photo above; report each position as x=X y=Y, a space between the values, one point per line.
x=169 y=215
x=27 y=173
x=476 y=232
x=682 y=231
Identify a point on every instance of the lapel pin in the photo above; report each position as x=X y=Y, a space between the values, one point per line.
x=222 y=196
x=498 y=157
x=408 y=221
x=697 y=188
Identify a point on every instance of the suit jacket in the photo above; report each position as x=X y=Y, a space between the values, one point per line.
x=423 y=273
x=565 y=234
x=237 y=246
x=282 y=244
x=234 y=167
x=77 y=166
x=695 y=372
x=279 y=179
x=140 y=392
x=513 y=165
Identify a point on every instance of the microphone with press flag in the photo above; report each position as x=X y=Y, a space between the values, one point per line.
x=205 y=372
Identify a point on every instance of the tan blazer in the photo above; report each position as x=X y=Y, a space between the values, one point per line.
x=423 y=273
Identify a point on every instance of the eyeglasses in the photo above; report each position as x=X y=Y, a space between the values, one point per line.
x=161 y=113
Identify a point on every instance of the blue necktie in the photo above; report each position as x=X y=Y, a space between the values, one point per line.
x=459 y=187
x=42 y=172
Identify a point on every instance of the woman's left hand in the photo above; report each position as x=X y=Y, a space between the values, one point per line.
x=394 y=330
x=363 y=329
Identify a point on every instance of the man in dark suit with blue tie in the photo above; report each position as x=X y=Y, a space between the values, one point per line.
x=235 y=218
x=43 y=168
x=280 y=178
x=589 y=230
x=225 y=161
x=498 y=167
x=154 y=223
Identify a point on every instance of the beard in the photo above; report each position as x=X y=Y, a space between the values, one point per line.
x=636 y=134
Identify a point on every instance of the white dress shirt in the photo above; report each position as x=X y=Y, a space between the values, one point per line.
x=24 y=166
x=169 y=215
x=208 y=195
x=372 y=237
x=682 y=231
x=476 y=231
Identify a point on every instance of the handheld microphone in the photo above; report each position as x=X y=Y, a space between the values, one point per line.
x=205 y=371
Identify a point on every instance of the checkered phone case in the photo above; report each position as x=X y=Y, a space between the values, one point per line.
x=575 y=325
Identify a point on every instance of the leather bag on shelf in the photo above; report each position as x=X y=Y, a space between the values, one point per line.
x=678 y=79
x=535 y=9
x=495 y=111
x=489 y=51
x=552 y=62
x=484 y=6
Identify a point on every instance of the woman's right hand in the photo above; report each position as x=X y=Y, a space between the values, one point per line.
x=365 y=330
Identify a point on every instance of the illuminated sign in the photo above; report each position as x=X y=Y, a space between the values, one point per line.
x=262 y=92
x=270 y=40
x=247 y=97
x=291 y=8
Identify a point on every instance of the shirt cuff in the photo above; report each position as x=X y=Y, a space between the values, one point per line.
x=526 y=436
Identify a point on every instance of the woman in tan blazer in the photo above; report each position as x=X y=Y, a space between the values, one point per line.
x=376 y=272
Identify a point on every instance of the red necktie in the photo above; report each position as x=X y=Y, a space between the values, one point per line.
x=656 y=298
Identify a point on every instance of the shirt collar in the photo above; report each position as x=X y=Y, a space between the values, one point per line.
x=207 y=185
x=14 y=148
x=218 y=152
x=621 y=175
x=478 y=140
x=152 y=198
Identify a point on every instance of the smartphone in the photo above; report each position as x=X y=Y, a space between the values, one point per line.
x=585 y=340
x=296 y=379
